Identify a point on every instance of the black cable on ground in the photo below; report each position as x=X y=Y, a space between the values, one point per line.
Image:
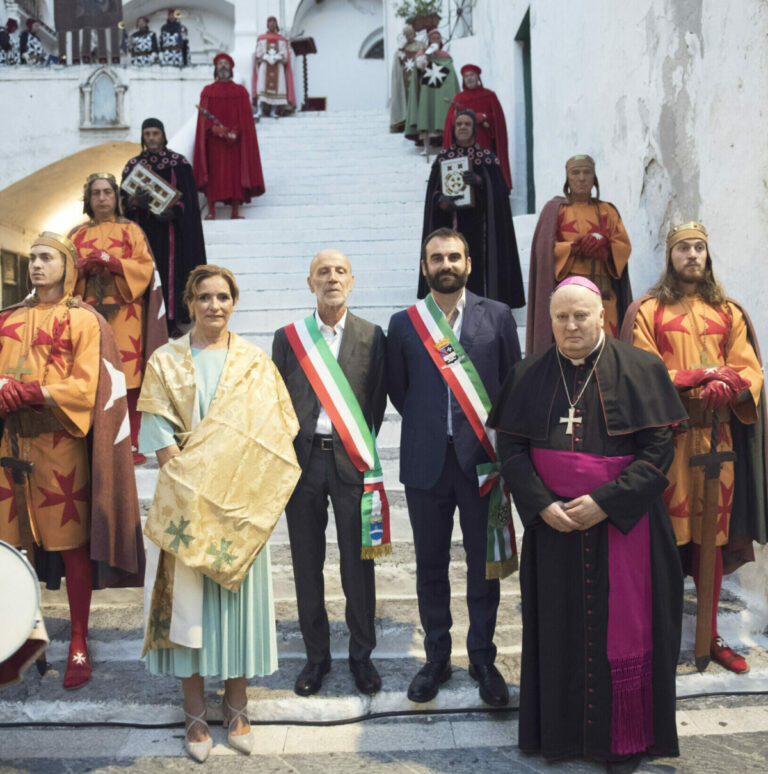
x=342 y=721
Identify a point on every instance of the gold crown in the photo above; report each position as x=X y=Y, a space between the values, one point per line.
x=688 y=230
x=98 y=176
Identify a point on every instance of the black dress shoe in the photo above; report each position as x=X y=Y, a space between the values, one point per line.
x=493 y=687
x=426 y=684
x=367 y=679
x=626 y=765
x=311 y=677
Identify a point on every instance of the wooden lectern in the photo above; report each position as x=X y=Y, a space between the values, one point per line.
x=301 y=47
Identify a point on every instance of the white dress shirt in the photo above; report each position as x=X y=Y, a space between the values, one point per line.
x=333 y=336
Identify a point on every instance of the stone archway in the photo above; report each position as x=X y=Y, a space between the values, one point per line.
x=51 y=199
x=338 y=71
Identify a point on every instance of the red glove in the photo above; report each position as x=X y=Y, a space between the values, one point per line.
x=595 y=245
x=15 y=394
x=31 y=393
x=695 y=377
x=736 y=382
x=94 y=263
x=113 y=265
x=9 y=397
x=717 y=393
x=86 y=267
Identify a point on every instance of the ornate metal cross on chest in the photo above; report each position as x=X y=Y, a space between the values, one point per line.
x=570 y=420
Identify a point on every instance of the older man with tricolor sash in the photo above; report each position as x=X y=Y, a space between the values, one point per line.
x=447 y=357
x=333 y=365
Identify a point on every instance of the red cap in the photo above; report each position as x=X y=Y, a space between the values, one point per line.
x=145 y=18
x=221 y=56
x=433 y=32
x=12 y=25
x=470 y=68
x=30 y=22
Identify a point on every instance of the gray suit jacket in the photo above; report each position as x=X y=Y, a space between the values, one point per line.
x=361 y=357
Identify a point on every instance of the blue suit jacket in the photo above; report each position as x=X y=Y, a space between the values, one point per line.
x=419 y=393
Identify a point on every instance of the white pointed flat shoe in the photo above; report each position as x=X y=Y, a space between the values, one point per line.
x=241 y=742
x=198 y=751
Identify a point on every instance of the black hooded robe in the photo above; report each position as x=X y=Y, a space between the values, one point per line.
x=487 y=227
x=184 y=233
x=628 y=408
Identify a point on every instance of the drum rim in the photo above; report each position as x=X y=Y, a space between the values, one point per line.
x=36 y=615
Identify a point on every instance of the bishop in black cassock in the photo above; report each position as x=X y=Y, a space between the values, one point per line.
x=585 y=440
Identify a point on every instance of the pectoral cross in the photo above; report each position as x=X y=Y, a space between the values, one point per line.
x=571 y=420
x=19 y=369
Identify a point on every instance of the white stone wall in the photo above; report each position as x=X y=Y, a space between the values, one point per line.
x=46 y=107
x=669 y=96
x=337 y=72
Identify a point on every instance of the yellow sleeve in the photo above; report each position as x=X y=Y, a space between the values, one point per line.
x=620 y=244
x=644 y=332
x=75 y=396
x=138 y=264
x=742 y=358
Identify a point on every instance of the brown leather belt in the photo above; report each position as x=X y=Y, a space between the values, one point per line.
x=30 y=423
x=698 y=416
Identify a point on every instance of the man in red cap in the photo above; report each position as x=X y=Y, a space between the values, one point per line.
x=31 y=48
x=227 y=164
x=272 y=87
x=491 y=130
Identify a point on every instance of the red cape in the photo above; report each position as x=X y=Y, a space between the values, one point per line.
x=491 y=130
x=290 y=91
x=227 y=171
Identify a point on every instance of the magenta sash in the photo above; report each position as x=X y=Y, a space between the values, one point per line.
x=630 y=633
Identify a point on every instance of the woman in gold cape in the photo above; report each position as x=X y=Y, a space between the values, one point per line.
x=218 y=416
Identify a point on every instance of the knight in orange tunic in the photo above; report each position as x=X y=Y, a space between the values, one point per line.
x=52 y=358
x=115 y=269
x=708 y=347
x=579 y=235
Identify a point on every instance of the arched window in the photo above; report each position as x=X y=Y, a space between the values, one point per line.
x=373 y=45
x=102 y=101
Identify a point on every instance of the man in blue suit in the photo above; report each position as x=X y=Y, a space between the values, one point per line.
x=439 y=454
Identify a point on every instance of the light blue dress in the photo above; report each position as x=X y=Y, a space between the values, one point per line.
x=239 y=638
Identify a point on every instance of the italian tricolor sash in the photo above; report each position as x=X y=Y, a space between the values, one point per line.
x=467 y=387
x=341 y=405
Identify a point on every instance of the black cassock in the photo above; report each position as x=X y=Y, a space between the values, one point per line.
x=487 y=227
x=628 y=407
x=177 y=243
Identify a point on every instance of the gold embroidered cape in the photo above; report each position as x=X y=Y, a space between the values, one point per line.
x=217 y=502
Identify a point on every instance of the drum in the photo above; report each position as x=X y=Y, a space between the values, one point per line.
x=19 y=600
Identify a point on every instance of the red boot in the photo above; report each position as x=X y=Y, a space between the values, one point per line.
x=77 y=567
x=78 y=664
x=727 y=658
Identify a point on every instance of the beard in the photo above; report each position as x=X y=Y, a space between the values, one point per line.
x=699 y=278
x=447 y=281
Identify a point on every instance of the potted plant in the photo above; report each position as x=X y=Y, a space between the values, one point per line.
x=420 y=14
